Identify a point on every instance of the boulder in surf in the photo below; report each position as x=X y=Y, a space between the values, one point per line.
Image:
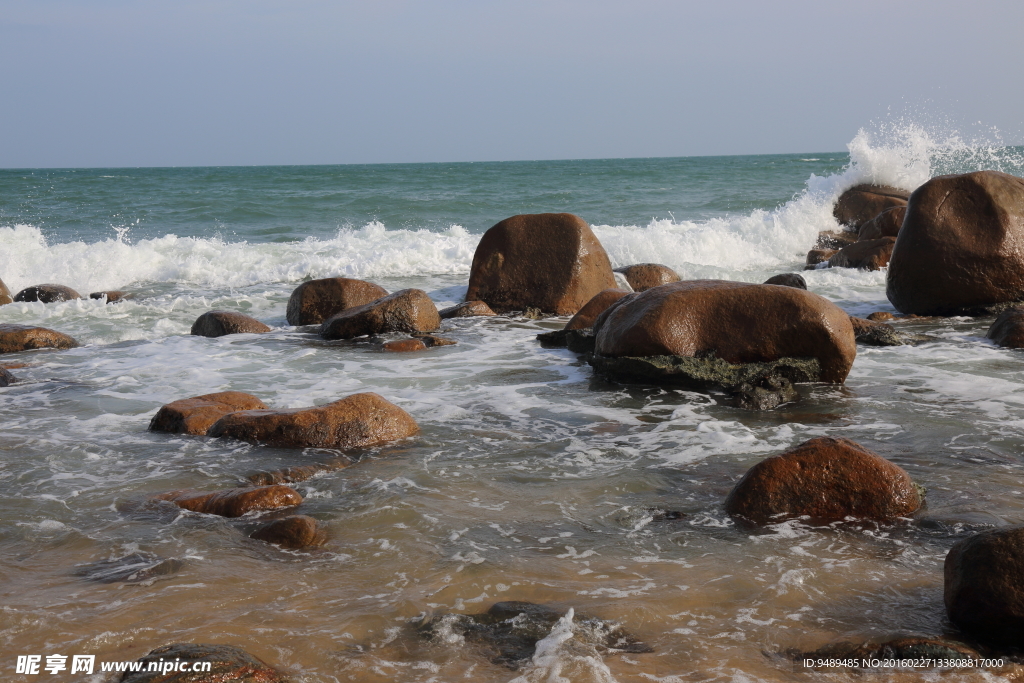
x=859 y=204
x=234 y=502
x=643 y=276
x=47 y=294
x=467 y=309
x=1008 y=329
x=864 y=255
x=15 y=338
x=112 y=296
x=315 y=301
x=197 y=414
x=404 y=345
x=294 y=532
x=984 y=586
x=586 y=316
x=787 y=280
x=221 y=323
x=408 y=310
x=875 y=333
x=885 y=224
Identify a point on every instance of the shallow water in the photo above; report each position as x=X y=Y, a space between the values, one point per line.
x=530 y=480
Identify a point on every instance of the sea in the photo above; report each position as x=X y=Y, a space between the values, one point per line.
x=531 y=479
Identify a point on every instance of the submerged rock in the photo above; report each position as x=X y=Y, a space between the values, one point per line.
x=1008 y=329
x=197 y=414
x=14 y=338
x=586 y=316
x=404 y=345
x=861 y=203
x=47 y=294
x=644 y=276
x=221 y=323
x=577 y=341
x=958 y=251
x=133 y=568
x=432 y=340
x=835 y=239
x=549 y=261
x=113 y=296
x=510 y=631
x=865 y=255
x=315 y=301
x=229 y=664
x=358 y=421
x=984 y=586
x=467 y=309
x=816 y=256
x=295 y=532
x=290 y=475
x=787 y=280
x=234 y=502
x=875 y=333
x=827 y=480
x=6 y=378
x=905 y=647
x=408 y=310
x=885 y=224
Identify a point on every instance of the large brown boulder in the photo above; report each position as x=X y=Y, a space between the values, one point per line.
x=961 y=247
x=586 y=316
x=643 y=276
x=5 y=294
x=984 y=586
x=885 y=224
x=735 y=321
x=220 y=323
x=861 y=203
x=234 y=502
x=47 y=294
x=826 y=479
x=866 y=254
x=317 y=300
x=197 y=414
x=549 y=261
x=25 y=337
x=1008 y=329
x=297 y=531
x=408 y=310
x=228 y=664
x=358 y=421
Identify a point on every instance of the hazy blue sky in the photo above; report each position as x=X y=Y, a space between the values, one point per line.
x=201 y=82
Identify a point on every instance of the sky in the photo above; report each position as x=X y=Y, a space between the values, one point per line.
x=89 y=83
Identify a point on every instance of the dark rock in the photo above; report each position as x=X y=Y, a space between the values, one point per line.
x=549 y=261
x=408 y=310
x=734 y=321
x=787 y=280
x=47 y=294
x=358 y=421
x=827 y=480
x=643 y=276
x=404 y=345
x=586 y=316
x=769 y=392
x=467 y=309
x=875 y=333
x=317 y=300
x=885 y=224
x=1008 y=329
x=15 y=338
x=6 y=378
x=816 y=256
x=865 y=255
x=234 y=502
x=959 y=248
x=290 y=475
x=5 y=294
x=432 y=340
x=197 y=414
x=861 y=203
x=835 y=239
x=133 y=568
x=984 y=586
x=220 y=323
x=229 y=664
x=295 y=532
x=510 y=631
x=113 y=296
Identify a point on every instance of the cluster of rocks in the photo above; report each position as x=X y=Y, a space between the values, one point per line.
x=870 y=217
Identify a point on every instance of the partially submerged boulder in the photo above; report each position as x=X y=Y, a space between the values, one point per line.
x=835 y=239
x=5 y=294
x=112 y=296
x=961 y=248
x=828 y=480
x=295 y=532
x=315 y=301
x=816 y=256
x=467 y=309
x=221 y=323
x=861 y=203
x=358 y=421
x=404 y=345
x=432 y=340
x=229 y=664
x=408 y=310
x=787 y=280
x=984 y=586
x=549 y=261
x=15 y=338
x=865 y=255
x=197 y=414
x=234 y=502
x=586 y=316
x=643 y=276
x=6 y=378
x=885 y=224
x=904 y=647
x=133 y=568
x=47 y=294
x=1008 y=329
x=875 y=333
x=734 y=321
x=297 y=473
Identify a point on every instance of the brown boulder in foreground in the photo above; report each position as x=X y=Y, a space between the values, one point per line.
x=643 y=276
x=297 y=531
x=859 y=204
x=47 y=294
x=549 y=261
x=197 y=414
x=1008 y=329
x=358 y=421
x=885 y=224
x=220 y=323
x=586 y=316
x=317 y=300
x=961 y=247
x=467 y=309
x=735 y=321
x=228 y=664
x=5 y=294
x=234 y=502
x=984 y=586
x=826 y=479
x=866 y=254
x=408 y=310
x=25 y=337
